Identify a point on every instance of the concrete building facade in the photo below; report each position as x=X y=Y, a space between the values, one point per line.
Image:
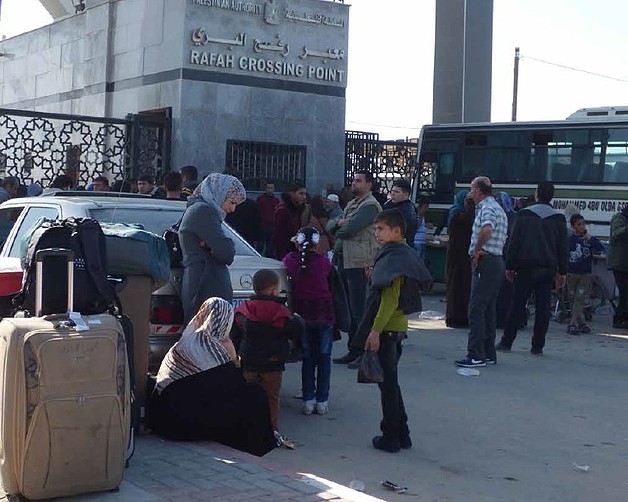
x=463 y=61
x=238 y=72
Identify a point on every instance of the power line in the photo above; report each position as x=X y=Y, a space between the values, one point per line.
x=575 y=69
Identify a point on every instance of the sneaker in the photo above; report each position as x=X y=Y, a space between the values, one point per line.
x=386 y=444
x=347 y=358
x=490 y=362
x=322 y=408
x=469 y=362
x=536 y=352
x=502 y=347
x=355 y=364
x=572 y=329
x=583 y=328
x=308 y=407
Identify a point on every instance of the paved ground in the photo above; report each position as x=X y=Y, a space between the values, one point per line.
x=517 y=432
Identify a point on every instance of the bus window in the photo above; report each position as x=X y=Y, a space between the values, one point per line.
x=589 y=159
x=437 y=172
x=438 y=167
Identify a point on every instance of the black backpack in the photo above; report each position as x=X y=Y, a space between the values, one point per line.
x=171 y=236
x=93 y=294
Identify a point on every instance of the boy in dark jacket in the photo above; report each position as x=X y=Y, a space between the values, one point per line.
x=396 y=281
x=582 y=247
x=261 y=332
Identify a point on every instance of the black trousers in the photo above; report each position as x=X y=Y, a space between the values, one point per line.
x=539 y=281
x=621 y=279
x=356 y=284
x=394 y=423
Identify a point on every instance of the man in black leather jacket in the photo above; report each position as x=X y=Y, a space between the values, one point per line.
x=536 y=258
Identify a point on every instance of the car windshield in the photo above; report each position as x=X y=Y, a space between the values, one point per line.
x=158 y=220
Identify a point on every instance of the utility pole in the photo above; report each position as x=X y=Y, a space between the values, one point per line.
x=515 y=85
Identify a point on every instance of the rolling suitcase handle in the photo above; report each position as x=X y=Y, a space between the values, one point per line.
x=39 y=258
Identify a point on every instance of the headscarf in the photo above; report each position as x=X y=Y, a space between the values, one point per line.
x=217 y=188
x=505 y=201
x=205 y=344
x=458 y=206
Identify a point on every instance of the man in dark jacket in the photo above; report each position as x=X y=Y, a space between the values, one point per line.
x=618 y=262
x=400 y=199
x=267 y=203
x=146 y=185
x=189 y=177
x=536 y=257
x=246 y=221
x=291 y=213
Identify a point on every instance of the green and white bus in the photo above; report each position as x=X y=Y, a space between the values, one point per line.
x=586 y=159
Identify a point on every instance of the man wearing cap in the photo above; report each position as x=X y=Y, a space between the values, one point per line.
x=332 y=204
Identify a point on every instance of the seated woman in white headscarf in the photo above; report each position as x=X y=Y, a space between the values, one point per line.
x=201 y=394
x=207 y=251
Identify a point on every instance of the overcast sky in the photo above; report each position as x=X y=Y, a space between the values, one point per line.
x=391 y=52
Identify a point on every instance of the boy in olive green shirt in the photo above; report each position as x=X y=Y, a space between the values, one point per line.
x=397 y=270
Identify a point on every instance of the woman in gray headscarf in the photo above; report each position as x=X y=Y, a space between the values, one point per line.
x=207 y=251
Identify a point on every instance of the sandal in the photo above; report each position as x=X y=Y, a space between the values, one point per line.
x=583 y=328
x=572 y=329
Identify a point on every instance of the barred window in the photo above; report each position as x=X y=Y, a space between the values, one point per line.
x=255 y=162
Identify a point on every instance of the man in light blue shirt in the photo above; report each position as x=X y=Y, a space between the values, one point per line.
x=490 y=229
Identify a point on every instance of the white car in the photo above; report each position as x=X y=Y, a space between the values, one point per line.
x=18 y=216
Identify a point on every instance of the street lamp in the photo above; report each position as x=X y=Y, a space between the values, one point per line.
x=79 y=6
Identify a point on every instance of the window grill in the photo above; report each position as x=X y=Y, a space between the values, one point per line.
x=255 y=162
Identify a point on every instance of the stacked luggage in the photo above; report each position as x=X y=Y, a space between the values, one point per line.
x=65 y=407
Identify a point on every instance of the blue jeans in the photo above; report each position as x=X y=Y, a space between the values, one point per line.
x=485 y=284
x=316 y=366
x=356 y=284
x=420 y=250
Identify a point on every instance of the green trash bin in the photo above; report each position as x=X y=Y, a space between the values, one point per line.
x=435 y=259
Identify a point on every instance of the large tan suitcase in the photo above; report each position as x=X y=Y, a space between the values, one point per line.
x=65 y=404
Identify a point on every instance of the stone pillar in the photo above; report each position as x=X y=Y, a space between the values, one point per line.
x=463 y=61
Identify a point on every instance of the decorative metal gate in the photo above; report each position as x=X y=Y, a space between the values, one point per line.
x=387 y=160
x=37 y=146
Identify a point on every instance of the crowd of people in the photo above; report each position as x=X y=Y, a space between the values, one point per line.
x=175 y=185
x=504 y=253
x=222 y=379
